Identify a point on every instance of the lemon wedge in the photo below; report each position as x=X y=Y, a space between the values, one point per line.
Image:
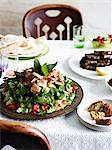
x=103 y=71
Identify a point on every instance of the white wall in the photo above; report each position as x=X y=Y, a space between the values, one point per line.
x=96 y=13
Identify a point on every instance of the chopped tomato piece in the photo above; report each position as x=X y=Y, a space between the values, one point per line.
x=33 y=112
x=70 y=91
x=44 y=106
x=75 y=87
x=35 y=109
x=57 y=106
x=12 y=106
x=63 y=101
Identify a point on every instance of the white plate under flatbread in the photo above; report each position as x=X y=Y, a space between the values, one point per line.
x=24 y=47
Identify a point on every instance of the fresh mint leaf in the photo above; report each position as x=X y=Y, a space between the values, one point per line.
x=37 y=66
x=51 y=66
x=44 y=69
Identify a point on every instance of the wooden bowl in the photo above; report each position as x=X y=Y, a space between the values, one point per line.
x=22 y=136
x=12 y=114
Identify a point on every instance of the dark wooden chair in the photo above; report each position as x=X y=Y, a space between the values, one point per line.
x=21 y=136
x=56 y=21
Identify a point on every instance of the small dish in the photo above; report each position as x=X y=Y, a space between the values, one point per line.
x=85 y=119
x=102 y=41
x=108 y=81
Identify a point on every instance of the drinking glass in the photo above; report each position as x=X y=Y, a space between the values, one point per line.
x=78 y=36
x=7 y=65
x=3 y=66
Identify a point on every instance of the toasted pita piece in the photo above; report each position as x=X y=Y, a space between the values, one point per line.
x=96 y=106
x=95 y=115
x=104 y=121
x=108 y=109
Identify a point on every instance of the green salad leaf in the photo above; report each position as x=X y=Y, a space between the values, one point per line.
x=37 y=66
x=43 y=69
x=42 y=100
x=51 y=66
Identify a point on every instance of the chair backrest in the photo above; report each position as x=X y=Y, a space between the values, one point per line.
x=56 y=21
x=21 y=136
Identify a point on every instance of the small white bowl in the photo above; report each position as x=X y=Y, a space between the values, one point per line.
x=107 y=82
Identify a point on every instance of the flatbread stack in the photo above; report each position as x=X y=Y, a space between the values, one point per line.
x=96 y=59
x=8 y=43
x=20 y=45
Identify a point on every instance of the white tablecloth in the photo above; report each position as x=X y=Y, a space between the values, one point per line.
x=66 y=132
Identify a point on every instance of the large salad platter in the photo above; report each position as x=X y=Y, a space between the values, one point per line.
x=39 y=92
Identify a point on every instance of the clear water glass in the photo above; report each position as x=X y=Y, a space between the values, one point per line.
x=3 y=62
x=78 y=36
x=7 y=65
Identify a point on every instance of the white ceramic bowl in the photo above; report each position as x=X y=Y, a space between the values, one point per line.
x=107 y=82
